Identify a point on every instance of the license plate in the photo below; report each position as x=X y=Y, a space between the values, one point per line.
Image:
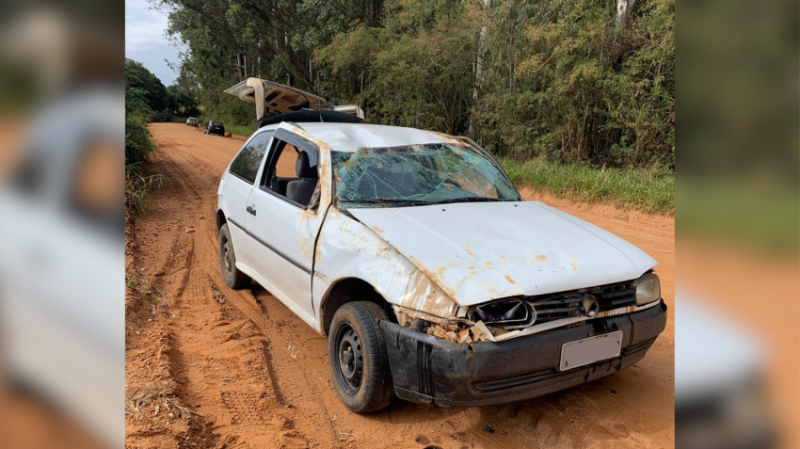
x=590 y=350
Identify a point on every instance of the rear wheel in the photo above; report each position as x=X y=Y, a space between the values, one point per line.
x=234 y=278
x=358 y=358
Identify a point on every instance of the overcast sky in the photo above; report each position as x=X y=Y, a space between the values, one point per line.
x=146 y=40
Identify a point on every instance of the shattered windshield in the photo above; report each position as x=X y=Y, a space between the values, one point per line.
x=418 y=175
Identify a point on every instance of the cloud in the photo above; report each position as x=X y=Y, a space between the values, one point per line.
x=144 y=27
x=146 y=40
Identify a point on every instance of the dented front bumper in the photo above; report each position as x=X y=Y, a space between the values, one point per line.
x=427 y=369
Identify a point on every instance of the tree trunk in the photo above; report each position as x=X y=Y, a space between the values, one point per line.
x=624 y=8
x=240 y=73
x=487 y=6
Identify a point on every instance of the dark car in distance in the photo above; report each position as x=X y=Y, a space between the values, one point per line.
x=214 y=127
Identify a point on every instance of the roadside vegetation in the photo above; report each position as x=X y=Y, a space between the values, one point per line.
x=577 y=89
x=144 y=103
x=650 y=189
x=155 y=101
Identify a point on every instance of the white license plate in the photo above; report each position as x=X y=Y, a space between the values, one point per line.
x=590 y=350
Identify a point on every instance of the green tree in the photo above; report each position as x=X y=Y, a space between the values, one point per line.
x=137 y=113
x=564 y=80
x=152 y=90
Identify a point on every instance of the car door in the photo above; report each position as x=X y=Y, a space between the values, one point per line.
x=284 y=224
x=236 y=189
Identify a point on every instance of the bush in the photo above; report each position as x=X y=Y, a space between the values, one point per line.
x=163 y=116
x=137 y=139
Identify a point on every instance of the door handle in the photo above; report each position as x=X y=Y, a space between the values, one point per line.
x=251 y=211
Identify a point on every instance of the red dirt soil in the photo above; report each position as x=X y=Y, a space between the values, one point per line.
x=210 y=367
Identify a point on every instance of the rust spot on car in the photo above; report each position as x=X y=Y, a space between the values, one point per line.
x=303 y=223
x=538 y=258
x=573 y=266
x=510 y=281
x=422 y=295
x=468 y=246
x=434 y=275
x=317 y=254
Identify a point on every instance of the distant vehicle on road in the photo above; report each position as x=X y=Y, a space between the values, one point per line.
x=191 y=121
x=214 y=127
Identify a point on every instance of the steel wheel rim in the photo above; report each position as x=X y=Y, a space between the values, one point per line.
x=350 y=358
x=227 y=265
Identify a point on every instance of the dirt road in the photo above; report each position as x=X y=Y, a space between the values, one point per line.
x=210 y=367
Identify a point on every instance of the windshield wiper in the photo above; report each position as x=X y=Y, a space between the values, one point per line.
x=469 y=199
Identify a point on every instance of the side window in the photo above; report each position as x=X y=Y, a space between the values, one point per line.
x=285 y=168
x=248 y=160
x=290 y=174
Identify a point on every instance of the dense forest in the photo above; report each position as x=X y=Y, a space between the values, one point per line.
x=582 y=81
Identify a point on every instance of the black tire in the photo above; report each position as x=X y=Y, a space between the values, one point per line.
x=234 y=278
x=358 y=358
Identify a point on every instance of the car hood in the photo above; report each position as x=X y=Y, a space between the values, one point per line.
x=478 y=252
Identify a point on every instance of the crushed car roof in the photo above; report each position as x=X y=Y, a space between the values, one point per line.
x=349 y=137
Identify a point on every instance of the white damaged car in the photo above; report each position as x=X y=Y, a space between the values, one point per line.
x=433 y=280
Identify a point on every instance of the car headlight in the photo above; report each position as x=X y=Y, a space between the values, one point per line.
x=648 y=289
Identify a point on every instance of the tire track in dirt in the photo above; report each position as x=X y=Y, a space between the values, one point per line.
x=240 y=404
x=257 y=376
x=207 y=341
x=162 y=393
x=256 y=314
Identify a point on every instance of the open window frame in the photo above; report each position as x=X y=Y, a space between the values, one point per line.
x=280 y=139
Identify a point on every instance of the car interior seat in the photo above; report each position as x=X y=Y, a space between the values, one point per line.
x=302 y=189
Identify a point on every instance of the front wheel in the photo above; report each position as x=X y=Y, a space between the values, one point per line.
x=358 y=358
x=234 y=278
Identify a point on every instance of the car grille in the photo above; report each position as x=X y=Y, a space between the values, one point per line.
x=556 y=306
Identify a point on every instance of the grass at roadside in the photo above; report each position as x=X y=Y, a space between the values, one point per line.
x=231 y=128
x=646 y=189
x=239 y=130
x=758 y=214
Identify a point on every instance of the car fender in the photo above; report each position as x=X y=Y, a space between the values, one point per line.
x=347 y=249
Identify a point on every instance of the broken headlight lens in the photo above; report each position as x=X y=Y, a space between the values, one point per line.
x=648 y=289
x=504 y=312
